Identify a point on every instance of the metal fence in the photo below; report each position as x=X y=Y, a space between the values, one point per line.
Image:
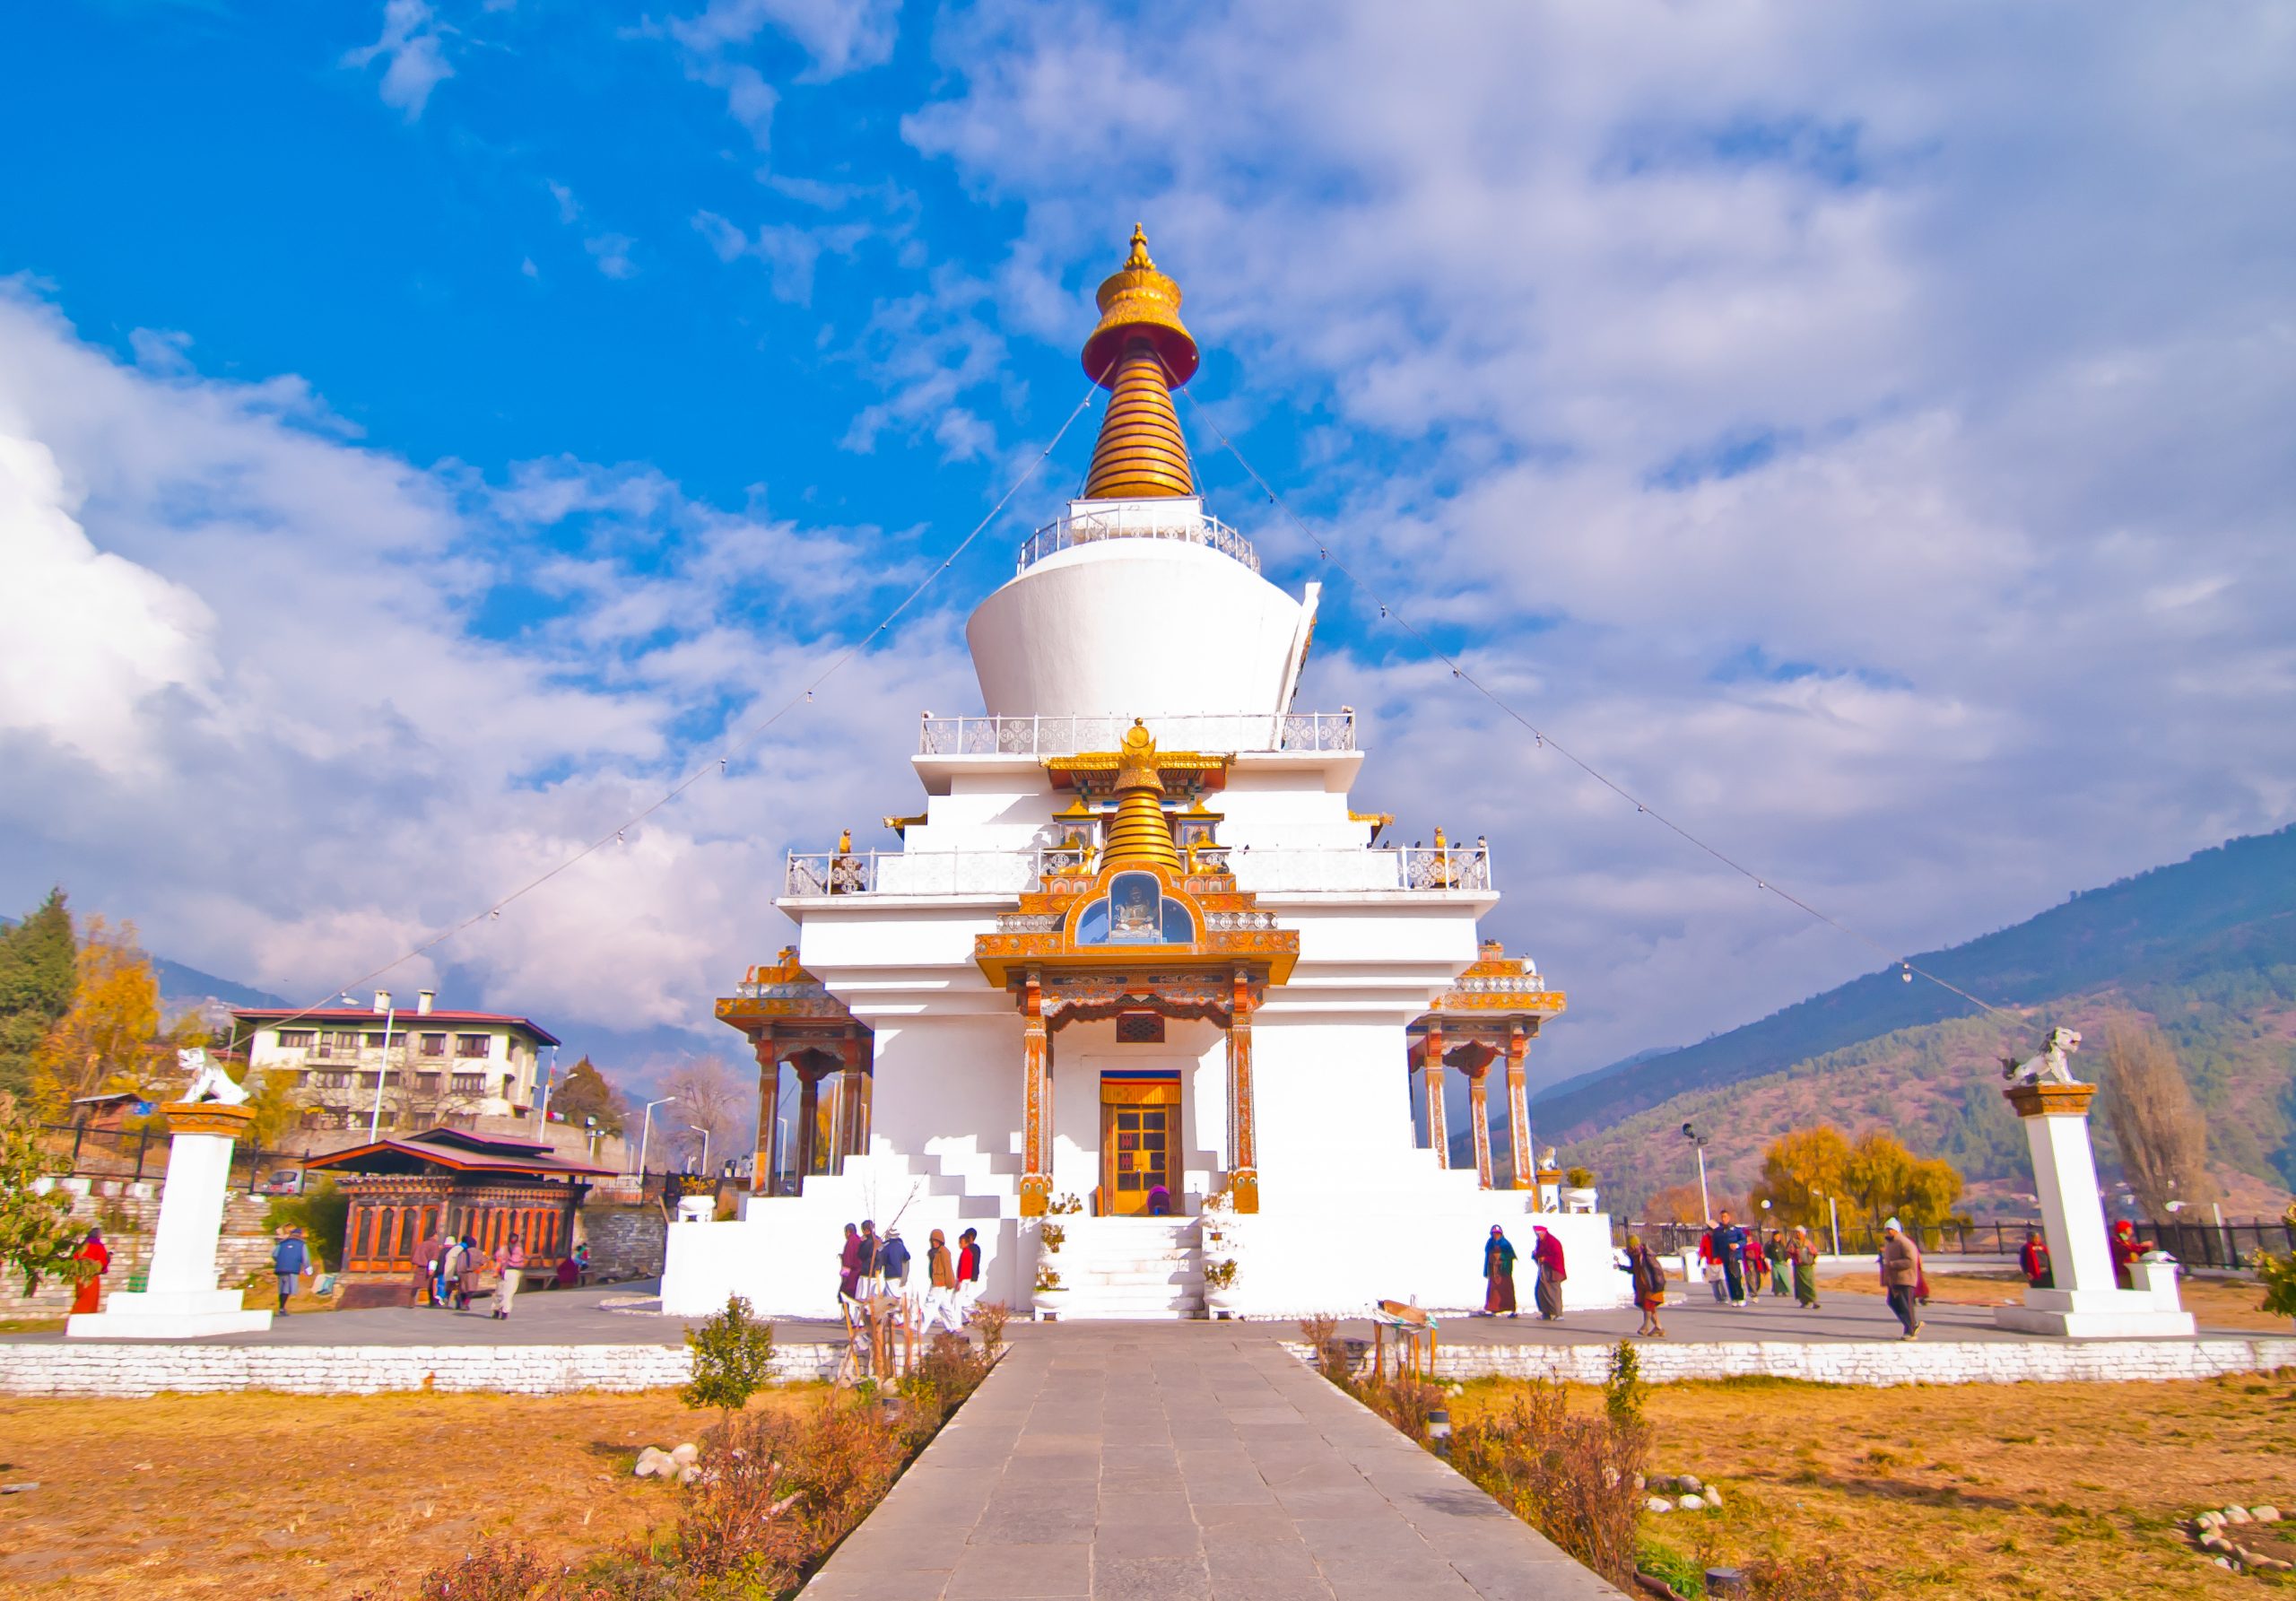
x=2195 y=1244
x=134 y=1155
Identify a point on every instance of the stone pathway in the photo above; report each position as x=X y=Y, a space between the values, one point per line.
x=1183 y=1462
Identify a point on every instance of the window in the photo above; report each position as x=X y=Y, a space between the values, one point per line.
x=426 y=1083
x=298 y=1039
x=470 y=1083
x=339 y=1043
x=1139 y=1028
x=374 y=1042
x=434 y=1045
x=331 y=1081
x=473 y=1045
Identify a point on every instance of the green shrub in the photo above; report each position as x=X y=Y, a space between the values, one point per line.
x=322 y=1212
x=733 y=1358
x=2277 y=1275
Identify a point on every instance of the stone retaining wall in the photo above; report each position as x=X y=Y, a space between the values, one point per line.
x=1880 y=1364
x=122 y=1369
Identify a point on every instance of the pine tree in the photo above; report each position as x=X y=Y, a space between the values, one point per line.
x=586 y=1094
x=38 y=971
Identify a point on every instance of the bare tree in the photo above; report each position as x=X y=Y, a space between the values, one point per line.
x=2163 y=1136
x=711 y=1095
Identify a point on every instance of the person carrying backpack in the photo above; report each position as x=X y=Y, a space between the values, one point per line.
x=289 y=1260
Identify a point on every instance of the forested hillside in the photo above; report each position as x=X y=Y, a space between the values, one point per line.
x=2221 y=921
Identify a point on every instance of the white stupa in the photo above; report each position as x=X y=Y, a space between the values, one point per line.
x=1137 y=953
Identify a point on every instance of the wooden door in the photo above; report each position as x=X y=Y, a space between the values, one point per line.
x=1140 y=1134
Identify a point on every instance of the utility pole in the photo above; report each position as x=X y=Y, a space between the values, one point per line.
x=646 y=1129
x=383 y=1073
x=1698 y=1142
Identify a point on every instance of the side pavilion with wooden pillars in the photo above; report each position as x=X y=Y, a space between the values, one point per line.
x=1492 y=1012
x=790 y=1016
x=1147 y=930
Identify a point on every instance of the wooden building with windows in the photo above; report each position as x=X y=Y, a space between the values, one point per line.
x=449 y=1179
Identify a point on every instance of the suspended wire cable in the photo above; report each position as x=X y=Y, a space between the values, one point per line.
x=1546 y=740
x=718 y=762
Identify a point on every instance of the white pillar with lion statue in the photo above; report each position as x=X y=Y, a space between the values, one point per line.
x=2085 y=1303
x=180 y=1299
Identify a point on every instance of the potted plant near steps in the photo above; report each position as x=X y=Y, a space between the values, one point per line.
x=1052 y=1292
x=1222 y=1253
x=1220 y=1287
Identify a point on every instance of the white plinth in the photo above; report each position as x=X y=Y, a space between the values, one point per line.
x=181 y=1301
x=167 y=1315
x=2086 y=1304
x=2095 y=1314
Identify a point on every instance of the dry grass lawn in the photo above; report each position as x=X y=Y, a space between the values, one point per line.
x=1974 y=1491
x=2217 y=1303
x=306 y=1498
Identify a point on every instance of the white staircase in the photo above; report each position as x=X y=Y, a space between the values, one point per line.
x=1132 y=1267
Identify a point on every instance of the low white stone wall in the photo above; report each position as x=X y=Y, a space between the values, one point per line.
x=98 y=1368
x=1879 y=1364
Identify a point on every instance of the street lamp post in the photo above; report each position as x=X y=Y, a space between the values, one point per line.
x=645 y=1128
x=383 y=1073
x=704 y=1133
x=1698 y=1142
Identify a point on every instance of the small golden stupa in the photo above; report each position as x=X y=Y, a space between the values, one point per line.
x=1140 y=351
x=1139 y=834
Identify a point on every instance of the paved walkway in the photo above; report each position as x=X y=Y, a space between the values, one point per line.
x=1178 y=1462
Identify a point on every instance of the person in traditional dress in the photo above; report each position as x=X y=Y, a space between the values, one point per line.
x=2127 y=1249
x=510 y=1268
x=967 y=1273
x=871 y=1270
x=1730 y=1250
x=448 y=1283
x=848 y=1264
x=1757 y=1265
x=1647 y=1275
x=470 y=1269
x=1781 y=1264
x=1546 y=1250
x=1499 y=1274
x=1805 y=1257
x=426 y=1268
x=2034 y=1260
x=940 y=1284
x=89 y=1280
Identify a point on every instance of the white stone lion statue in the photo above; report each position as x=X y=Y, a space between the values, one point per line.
x=209 y=1081
x=2050 y=1067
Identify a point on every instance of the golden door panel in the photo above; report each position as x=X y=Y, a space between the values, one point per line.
x=1139 y=1133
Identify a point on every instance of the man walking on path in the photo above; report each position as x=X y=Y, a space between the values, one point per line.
x=1546 y=1250
x=941 y=1279
x=1730 y=1250
x=290 y=1259
x=426 y=1268
x=1648 y=1278
x=508 y=1270
x=848 y=1266
x=892 y=1264
x=1900 y=1273
x=967 y=1273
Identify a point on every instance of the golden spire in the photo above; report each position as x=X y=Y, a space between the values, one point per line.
x=1140 y=351
x=1139 y=834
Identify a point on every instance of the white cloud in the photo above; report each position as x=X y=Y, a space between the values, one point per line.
x=839 y=35
x=254 y=706
x=790 y=252
x=414 y=52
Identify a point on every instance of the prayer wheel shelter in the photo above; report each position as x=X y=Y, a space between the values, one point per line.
x=402 y=1191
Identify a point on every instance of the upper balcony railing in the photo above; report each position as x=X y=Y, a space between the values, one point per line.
x=1067 y=735
x=1133 y=521
x=1335 y=869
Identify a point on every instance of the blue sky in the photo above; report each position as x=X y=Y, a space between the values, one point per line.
x=426 y=428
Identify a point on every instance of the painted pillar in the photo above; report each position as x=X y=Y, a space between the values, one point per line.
x=1243 y=1137
x=1035 y=1097
x=766 y=1165
x=1479 y=1111
x=809 y=1111
x=1431 y=1068
x=853 y=1105
x=181 y=1300
x=1522 y=1161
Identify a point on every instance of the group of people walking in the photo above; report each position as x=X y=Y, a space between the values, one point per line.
x=1736 y=1261
x=453 y=1272
x=873 y=1269
x=1499 y=1274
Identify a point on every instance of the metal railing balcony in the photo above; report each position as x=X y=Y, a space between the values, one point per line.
x=1193 y=731
x=1130 y=523
x=1336 y=870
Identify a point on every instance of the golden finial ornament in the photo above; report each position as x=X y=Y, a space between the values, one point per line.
x=1139 y=833
x=1140 y=351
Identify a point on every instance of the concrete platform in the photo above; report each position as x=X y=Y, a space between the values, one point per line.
x=1183 y=1462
